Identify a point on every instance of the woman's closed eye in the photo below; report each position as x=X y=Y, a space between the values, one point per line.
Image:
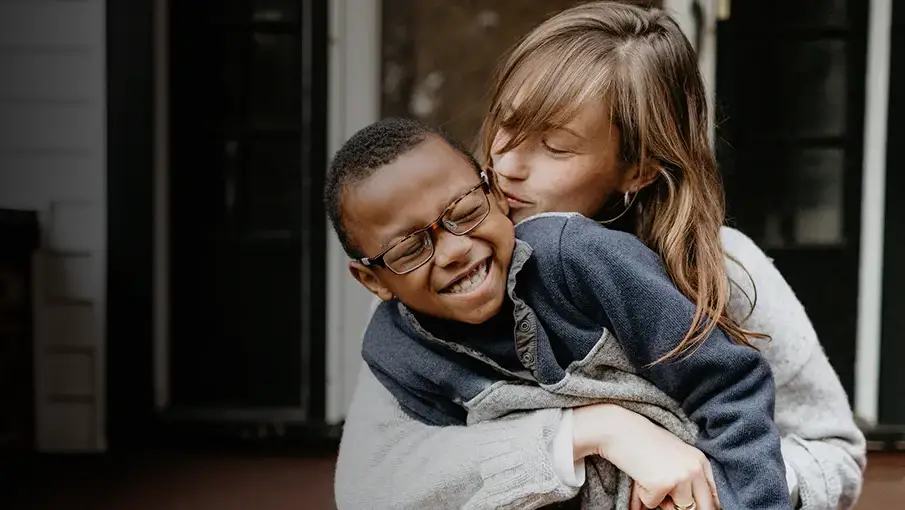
x=554 y=150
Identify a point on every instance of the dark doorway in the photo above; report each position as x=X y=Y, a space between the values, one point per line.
x=892 y=349
x=247 y=235
x=247 y=231
x=790 y=88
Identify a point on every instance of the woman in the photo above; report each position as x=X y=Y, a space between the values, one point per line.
x=600 y=110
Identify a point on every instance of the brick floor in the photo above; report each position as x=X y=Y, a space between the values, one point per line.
x=243 y=482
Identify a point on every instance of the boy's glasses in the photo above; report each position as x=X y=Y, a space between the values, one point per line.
x=461 y=217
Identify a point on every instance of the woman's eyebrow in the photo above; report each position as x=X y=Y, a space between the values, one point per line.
x=568 y=131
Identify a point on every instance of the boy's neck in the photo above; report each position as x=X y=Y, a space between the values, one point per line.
x=501 y=323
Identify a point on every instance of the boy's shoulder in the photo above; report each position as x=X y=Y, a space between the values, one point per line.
x=546 y=230
x=387 y=335
x=392 y=345
x=545 y=223
x=570 y=233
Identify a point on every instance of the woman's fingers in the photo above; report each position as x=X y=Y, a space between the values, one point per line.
x=703 y=497
x=683 y=494
x=650 y=498
x=708 y=472
x=635 y=502
x=695 y=494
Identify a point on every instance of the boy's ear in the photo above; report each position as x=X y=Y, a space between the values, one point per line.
x=496 y=193
x=367 y=277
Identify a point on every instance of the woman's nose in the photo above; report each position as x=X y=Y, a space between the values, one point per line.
x=511 y=165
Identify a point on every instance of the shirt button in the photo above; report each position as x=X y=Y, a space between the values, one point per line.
x=523 y=326
x=527 y=358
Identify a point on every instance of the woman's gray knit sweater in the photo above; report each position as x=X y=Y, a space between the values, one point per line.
x=388 y=460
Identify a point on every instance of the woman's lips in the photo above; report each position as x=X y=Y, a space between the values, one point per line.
x=516 y=201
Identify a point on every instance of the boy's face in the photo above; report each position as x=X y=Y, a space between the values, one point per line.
x=465 y=280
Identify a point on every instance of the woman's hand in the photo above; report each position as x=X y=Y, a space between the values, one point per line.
x=666 y=470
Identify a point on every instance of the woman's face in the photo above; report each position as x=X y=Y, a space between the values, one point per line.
x=575 y=168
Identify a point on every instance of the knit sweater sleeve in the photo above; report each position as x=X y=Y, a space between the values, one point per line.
x=389 y=460
x=820 y=439
x=725 y=388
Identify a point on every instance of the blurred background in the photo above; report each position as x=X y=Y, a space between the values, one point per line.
x=177 y=325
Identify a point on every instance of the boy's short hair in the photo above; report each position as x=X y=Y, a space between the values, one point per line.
x=367 y=151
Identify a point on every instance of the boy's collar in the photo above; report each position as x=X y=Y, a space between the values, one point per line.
x=546 y=215
x=520 y=255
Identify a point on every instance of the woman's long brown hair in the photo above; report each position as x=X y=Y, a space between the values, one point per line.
x=637 y=63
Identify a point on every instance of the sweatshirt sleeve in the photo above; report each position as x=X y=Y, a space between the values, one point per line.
x=389 y=460
x=821 y=442
x=726 y=389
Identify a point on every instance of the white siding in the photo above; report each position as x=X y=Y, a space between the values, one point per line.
x=52 y=160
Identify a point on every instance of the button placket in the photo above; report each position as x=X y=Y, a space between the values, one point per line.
x=524 y=334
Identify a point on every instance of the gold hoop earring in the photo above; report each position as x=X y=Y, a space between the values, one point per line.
x=627 y=200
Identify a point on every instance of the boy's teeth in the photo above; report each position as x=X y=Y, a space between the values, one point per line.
x=470 y=281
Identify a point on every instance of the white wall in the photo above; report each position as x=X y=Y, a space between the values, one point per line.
x=873 y=196
x=354 y=102
x=52 y=159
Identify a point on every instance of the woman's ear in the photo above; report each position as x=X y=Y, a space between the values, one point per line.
x=637 y=177
x=369 y=279
x=496 y=192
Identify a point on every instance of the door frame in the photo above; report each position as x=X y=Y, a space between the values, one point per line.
x=873 y=199
x=697 y=19
x=130 y=153
x=354 y=88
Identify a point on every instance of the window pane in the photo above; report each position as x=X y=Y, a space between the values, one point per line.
x=276 y=10
x=794 y=14
x=812 y=14
x=810 y=88
x=808 y=210
x=276 y=82
x=273 y=187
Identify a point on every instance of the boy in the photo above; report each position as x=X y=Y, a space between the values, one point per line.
x=474 y=321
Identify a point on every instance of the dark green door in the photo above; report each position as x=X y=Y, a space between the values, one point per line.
x=247 y=123
x=790 y=88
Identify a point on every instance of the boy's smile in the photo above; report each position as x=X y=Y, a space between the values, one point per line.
x=465 y=278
